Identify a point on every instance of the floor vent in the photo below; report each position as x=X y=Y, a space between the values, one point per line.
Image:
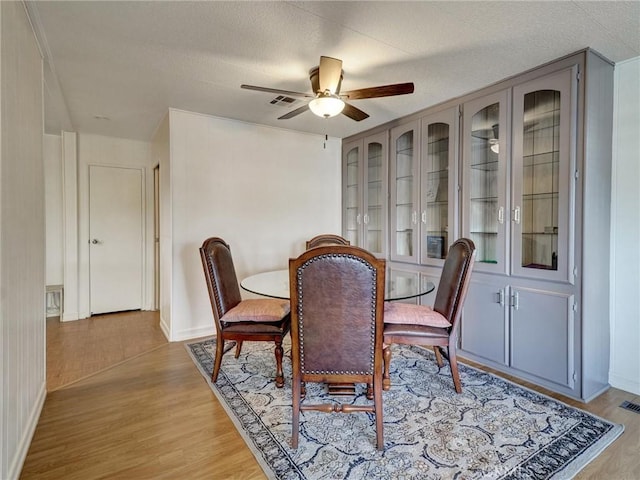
x=634 y=407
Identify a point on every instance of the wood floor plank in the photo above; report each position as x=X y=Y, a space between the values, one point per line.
x=125 y=404
x=80 y=348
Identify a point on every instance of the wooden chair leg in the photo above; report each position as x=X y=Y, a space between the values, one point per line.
x=238 y=347
x=218 y=359
x=370 y=392
x=295 y=416
x=377 y=401
x=436 y=350
x=279 y=354
x=453 y=364
x=386 y=378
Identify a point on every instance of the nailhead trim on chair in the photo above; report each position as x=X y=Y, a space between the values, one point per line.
x=216 y=287
x=301 y=316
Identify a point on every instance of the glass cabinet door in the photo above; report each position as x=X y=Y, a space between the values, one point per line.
x=375 y=194
x=404 y=192
x=351 y=192
x=438 y=186
x=542 y=159
x=484 y=179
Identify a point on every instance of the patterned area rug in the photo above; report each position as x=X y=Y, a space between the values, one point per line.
x=493 y=430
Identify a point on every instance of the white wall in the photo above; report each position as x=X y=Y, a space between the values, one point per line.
x=22 y=238
x=71 y=307
x=625 y=218
x=263 y=190
x=53 y=208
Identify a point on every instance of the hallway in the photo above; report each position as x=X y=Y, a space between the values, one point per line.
x=80 y=348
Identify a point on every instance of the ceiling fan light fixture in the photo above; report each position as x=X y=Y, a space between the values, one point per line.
x=326 y=105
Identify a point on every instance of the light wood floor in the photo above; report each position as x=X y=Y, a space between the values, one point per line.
x=125 y=404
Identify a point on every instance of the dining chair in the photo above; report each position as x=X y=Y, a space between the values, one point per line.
x=238 y=320
x=337 y=297
x=326 y=239
x=437 y=327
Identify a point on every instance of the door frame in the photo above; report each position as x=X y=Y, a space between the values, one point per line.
x=156 y=237
x=83 y=235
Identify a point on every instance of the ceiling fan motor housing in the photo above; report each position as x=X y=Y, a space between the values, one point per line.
x=314 y=76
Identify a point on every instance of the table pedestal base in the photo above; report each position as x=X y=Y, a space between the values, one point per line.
x=341 y=388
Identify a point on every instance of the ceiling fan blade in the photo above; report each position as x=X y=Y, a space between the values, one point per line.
x=354 y=113
x=279 y=92
x=381 y=91
x=295 y=112
x=330 y=74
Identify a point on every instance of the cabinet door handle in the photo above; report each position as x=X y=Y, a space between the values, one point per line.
x=366 y=218
x=516 y=215
x=501 y=215
x=358 y=219
x=515 y=301
x=501 y=297
x=424 y=216
x=414 y=217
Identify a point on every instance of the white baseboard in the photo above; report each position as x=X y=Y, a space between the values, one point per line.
x=631 y=385
x=15 y=466
x=165 y=329
x=193 y=333
x=67 y=316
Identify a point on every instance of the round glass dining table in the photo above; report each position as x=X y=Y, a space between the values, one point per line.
x=275 y=284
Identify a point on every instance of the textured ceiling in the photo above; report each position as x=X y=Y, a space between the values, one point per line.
x=114 y=68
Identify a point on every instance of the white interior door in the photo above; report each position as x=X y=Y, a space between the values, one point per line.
x=115 y=238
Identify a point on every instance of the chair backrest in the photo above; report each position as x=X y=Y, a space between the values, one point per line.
x=337 y=295
x=454 y=281
x=327 y=239
x=222 y=282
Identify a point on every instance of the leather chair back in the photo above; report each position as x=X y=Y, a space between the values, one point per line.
x=326 y=239
x=222 y=282
x=337 y=295
x=454 y=281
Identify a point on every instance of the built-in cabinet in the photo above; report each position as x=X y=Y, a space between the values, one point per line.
x=485 y=189
x=405 y=185
x=364 y=192
x=438 y=185
x=424 y=188
x=522 y=168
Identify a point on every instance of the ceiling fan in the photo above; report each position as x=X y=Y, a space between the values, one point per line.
x=327 y=100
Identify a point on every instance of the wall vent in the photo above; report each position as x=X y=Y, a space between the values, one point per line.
x=634 y=407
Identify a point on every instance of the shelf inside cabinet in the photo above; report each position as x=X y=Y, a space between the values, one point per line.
x=540 y=196
x=485 y=166
x=484 y=199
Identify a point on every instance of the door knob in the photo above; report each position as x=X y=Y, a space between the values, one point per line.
x=95 y=241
